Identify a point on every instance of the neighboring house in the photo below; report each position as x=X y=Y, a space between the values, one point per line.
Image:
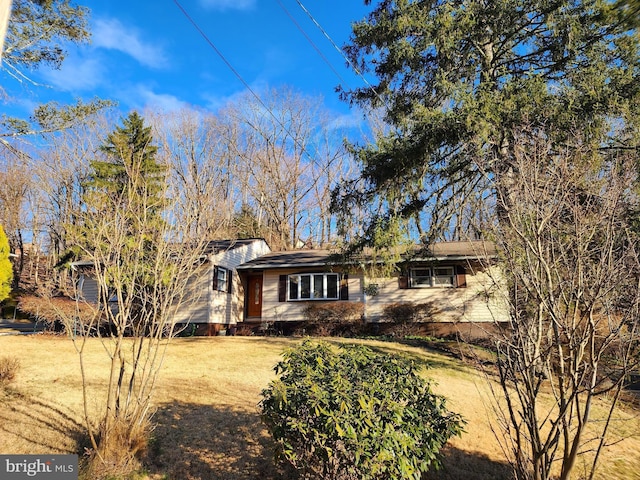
x=86 y=283
x=451 y=276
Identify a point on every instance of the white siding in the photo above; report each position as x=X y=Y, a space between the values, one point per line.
x=88 y=288
x=211 y=306
x=274 y=310
x=229 y=308
x=472 y=303
x=194 y=307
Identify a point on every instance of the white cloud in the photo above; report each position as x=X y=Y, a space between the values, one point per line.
x=111 y=34
x=158 y=102
x=215 y=101
x=78 y=74
x=228 y=4
x=350 y=120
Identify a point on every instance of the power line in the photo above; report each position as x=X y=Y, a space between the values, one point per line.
x=316 y=48
x=219 y=53
x=237 y=74
x=328 y=37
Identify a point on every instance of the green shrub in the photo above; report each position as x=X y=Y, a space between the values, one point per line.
x=352 y=413
x=405 y=312
x=9 y=367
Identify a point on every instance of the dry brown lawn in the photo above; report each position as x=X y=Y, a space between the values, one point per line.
x=207 y=421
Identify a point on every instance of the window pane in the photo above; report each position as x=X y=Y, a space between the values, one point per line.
x=421 y=277
x=421 y=272
x=443 y=276
x=256 y=293
x=314 y=286
x=293 y=287
x=332 y=286
x=318 y=286
x=305 y=286
x=222 y=279
x=444 y=271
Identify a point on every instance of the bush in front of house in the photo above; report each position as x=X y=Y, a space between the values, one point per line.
x=347 y=412
x=406 y=316
x=333 y=318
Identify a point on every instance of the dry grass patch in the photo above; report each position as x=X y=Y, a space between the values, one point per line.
x=207 y=420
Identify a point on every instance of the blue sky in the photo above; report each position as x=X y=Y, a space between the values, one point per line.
x=147 y=54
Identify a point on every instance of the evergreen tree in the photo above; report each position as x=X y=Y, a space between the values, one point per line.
x=530 y=106
x=126 y=186
x=246 y=224
x=6 y=269
x=457 y=80
x=130 y=169
x=38 y=31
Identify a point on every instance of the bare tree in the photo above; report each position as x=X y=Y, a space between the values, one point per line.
x=143 y=257
x=569 y=258
x=15 y=184
x=202 y=167
x=279 y=159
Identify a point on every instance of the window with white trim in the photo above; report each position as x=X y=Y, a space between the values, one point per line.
x=443 y=277
x=426 y=277
x=313 y=286
x=420 y=277
x=221 y=279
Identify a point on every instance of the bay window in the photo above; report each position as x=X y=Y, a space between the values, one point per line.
x=313 y=286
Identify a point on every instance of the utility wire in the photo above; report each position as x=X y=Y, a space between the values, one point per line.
x=316 y=48
x=237 y=74
x=349 y=62
x=212 y=45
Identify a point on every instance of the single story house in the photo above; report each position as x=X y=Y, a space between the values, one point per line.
x=452 y=276
x=242 y=282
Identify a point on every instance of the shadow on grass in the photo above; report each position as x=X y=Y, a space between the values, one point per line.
x=461 y=465
x=198 y=442
x=444 y=354
x=428 y=358
x=29 y=425
x=193 y=442
x=201 y=442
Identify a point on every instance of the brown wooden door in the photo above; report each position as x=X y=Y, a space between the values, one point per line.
x=254 y=297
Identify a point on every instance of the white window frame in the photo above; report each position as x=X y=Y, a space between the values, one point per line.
x=441 y=279
x=437 y=277
x=222 y=284
x=313 y=288
x=420 y=281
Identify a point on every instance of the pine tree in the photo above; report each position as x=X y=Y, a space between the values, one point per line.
x=458 y=80
x=130 y=171
x=127 y=186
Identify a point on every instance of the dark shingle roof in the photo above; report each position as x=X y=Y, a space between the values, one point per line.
x=217 y=246
x=292 y=258
x=319 y=258
x=463 y=250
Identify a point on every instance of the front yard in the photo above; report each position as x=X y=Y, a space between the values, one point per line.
x=207 y=421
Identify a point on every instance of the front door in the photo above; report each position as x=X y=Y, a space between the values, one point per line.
x=254 y=296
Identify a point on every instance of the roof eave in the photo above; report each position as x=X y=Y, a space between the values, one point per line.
x=264 y=266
